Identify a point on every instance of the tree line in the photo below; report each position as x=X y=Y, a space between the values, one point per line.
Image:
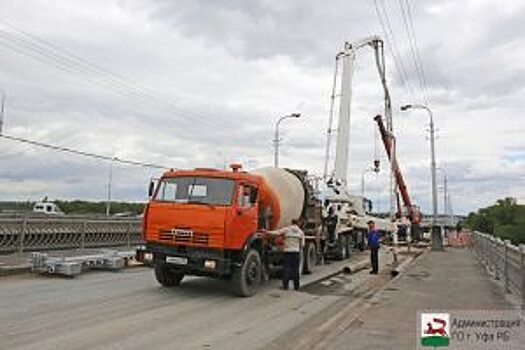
x=78 y=207
x=88 y=207
x=505 y=219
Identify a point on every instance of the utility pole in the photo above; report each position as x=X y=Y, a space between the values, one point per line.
x=110 y=182
x=2 y=111
x=450 y=209
x=445 y=195
x=276 y=137
x=367 y=170
x=433 y=168
x=437 y=242
x=445 y=191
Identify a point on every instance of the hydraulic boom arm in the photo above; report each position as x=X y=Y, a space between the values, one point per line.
x=387 y=142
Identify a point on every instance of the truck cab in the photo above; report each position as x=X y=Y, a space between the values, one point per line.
x=201 y=221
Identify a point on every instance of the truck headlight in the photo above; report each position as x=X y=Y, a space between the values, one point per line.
x=210 y=264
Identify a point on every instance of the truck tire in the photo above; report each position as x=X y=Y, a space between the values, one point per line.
x=310 y=257
x=166 y=276
x=246 y=279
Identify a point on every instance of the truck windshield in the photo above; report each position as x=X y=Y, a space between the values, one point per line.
x=192 y=189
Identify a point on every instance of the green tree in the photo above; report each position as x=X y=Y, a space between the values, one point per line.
x=87 y=207
x=505 y=219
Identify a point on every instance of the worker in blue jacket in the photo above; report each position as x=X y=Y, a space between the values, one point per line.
x=373 y=239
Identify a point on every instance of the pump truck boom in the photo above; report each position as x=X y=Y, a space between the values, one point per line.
x=353 y=211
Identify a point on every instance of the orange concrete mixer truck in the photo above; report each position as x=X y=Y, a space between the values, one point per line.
x=209 y=222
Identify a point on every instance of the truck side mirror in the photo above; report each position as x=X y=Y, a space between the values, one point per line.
x=151 y=188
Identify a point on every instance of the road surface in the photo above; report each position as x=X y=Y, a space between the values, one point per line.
x=129 y=310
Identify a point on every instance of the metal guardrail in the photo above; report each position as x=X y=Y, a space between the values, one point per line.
x=506 y=262
x=29 y=233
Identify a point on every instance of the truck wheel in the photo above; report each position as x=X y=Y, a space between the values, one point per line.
x=247 y=278
x=167 y=277
x=310 y=257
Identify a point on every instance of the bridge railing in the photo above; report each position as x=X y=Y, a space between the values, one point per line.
x=505 y=261
x=29 y=234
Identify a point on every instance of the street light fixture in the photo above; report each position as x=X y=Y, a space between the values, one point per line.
x=277 y=140
x=437 y=243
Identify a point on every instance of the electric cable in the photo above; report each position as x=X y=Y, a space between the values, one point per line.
x=46 y=52
x=389 y=38
x=416 y=45
x=413 y=48
x=82 y=153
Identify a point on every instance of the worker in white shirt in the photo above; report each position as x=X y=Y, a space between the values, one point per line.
x=293 y=243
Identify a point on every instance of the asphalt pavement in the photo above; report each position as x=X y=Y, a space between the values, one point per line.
x=387 y=317
x=129 y=310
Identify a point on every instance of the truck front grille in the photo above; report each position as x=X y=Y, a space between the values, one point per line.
x=194 y=238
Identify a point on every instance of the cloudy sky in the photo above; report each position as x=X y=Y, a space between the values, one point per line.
x=201 y=83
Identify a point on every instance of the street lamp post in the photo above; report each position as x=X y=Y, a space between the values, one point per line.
x=447 y=204
x=445 y=191
x=2 y=111
x=367 y=170
x=276 y=139
x=110 y=183
x=437 y=243
x=448 y=215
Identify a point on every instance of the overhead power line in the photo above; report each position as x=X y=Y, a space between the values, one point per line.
x=416 y=45
x=390 y=39
x=409 y=27
x=46 y=52
x=82 y=153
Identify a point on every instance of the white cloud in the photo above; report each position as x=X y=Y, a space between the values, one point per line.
x=218 y=74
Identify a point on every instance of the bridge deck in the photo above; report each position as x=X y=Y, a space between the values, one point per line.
x=129 y=310
x=450 y=280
